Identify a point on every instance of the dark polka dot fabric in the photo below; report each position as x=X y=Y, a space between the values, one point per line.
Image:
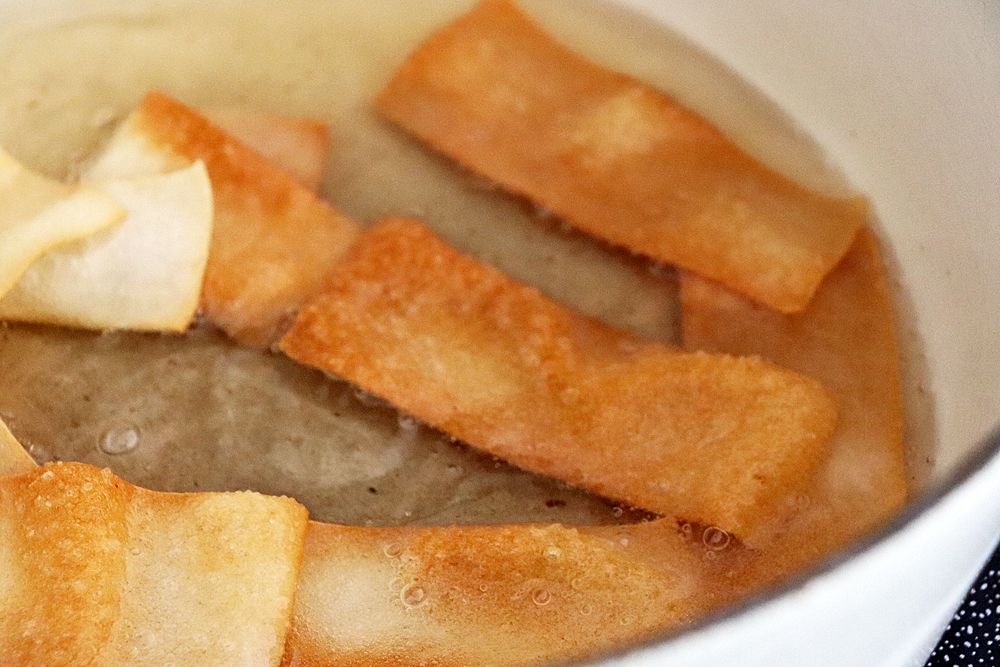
x=973 y=636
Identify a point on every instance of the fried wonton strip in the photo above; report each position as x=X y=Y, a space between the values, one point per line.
x=14 y=460
x=62 y=564
x=143 y=274
x=273 y=240
x=94 y=571
x=487 y=595
x=37 y=214
x=709 y=438
x=615 y=157
x=297 y=145
x=210 y=581
x=845 y=339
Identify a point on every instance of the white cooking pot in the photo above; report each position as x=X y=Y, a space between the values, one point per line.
x=905 y=94
x=905 y=97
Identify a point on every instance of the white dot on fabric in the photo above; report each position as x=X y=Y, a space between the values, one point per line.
x=975 y=627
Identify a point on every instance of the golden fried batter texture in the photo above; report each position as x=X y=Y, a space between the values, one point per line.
x=494 y=595
x=720 y=440
x=615 y=157
x=94 y=571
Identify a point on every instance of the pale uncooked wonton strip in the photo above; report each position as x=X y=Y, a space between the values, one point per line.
x=273 y=240
x=38 y=213
x=14 y=460
x=720 y=440
x=94 y=571
x=143 y=274
x=615 y=157
x=846 y=340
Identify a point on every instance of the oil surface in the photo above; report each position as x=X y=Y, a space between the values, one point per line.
x=198 y=413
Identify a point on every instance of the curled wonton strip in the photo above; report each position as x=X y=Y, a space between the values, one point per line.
x=143 y=274
x=273 y=240
x=94 y=571
x=495 y=595
x=38 y=214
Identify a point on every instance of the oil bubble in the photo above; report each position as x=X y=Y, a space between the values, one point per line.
x=413 y=595
x=368 y=399
x=541 y=596
x=586 y=610
x=715 y=539
x=407 y=425
x=393 y=549
x=40 y=455
x=119 y=439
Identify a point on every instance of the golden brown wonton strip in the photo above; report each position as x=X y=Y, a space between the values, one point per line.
x=273 y=239
x=94 y=571
x=845 y=339
x=709 y=438
x=493 y=595
x=615 y=157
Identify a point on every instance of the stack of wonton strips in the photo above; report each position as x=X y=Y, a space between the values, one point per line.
x=723 y=441
x=99 y=572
